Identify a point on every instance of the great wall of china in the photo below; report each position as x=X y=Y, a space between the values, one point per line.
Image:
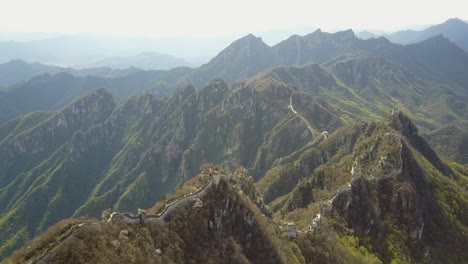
x=142 y=218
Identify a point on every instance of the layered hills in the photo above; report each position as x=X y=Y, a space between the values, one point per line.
x=336 y=136
x=367 y=193
x=454 y=29
x=144 y=148
x=437 y=61
x=134 y=152
x=145 y=60
x=51 y=92
x=17 y=71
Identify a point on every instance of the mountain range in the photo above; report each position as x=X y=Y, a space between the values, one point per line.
x=366 y=193
x=406 y=75
x=68 y=50
x=249 y=55
x=18 y=71
x=145 y=60
x=456 y=30
x=326 y=125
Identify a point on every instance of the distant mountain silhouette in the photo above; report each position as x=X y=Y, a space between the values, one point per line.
x=16 y=71
x=250 y=55
x=454 y=29
x=145 y=60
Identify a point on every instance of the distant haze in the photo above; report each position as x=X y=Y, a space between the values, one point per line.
x=217 y=18
x=76 y=33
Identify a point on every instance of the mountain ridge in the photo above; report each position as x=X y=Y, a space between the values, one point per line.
x=302 y=131
x=339 y=209
x=16 y=71
x=454 y=29
x=240 y=61
x=148 y=146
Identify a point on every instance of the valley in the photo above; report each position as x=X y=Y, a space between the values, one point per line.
x=322 y=148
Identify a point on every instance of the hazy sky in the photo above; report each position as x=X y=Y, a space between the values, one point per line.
x=218 y=17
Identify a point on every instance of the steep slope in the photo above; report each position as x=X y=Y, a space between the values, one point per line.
x=147 y=147
x=381 y=195
x=226 y=225
x=28 y=140
x=383 y=82
x=413 y=220
x=370 y=87
x=276 y=124
x=451 y=141
x=435 y=59
x=240 y=60
x=317 y=47
x=26 y=143
x=382 y=189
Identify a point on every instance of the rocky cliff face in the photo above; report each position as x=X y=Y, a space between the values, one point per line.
x=391 y=191
x=224 y=226
x=398 y=203
x=366 y=192
x=133 y=153
x=300 y=131
x=25 y=143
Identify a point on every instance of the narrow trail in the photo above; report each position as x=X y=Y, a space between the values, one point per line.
x=300 y=116
x=67 y=237
x=291 y=105
x=117 y=217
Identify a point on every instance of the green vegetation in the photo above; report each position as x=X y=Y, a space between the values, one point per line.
x=378 y=183
x=401 y=206
x=192 y=235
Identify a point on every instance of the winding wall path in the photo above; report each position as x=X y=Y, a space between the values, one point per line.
x=300 y=116
x=141 y=219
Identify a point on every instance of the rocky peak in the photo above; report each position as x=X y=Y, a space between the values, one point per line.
x=96 y=105
x=403 y=124
x=43 y=139
x=219 y=223
x=251 y=40
x=369 y=205
x=345 y=35
x=341 y=36
x=317 y=32
x=248 y=44
x=213 y=92
x=184 y=92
